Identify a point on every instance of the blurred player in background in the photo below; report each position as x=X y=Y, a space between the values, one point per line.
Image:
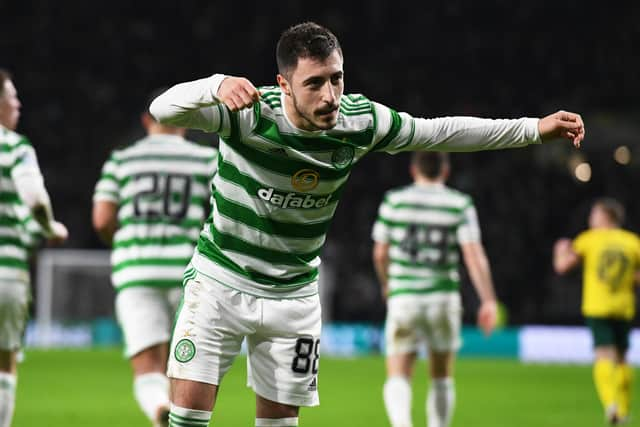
x=150 y=204
x=417 y=235
x=22 y=196
x=286 y=154
x=611 y=259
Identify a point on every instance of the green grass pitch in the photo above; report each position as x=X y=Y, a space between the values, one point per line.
x=93 y=388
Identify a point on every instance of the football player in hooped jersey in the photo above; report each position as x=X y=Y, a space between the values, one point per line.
x=254 y=273
x=24 y=196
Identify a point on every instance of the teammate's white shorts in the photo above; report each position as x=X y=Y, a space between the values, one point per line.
x=413 y=320
x=146 y=315
x=14 y=310
x=283 y=340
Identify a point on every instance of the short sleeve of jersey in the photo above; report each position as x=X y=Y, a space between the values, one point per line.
x=381 y=230
x=25 y=159
x=580 y=243
x=469 y=229
x=108 y=189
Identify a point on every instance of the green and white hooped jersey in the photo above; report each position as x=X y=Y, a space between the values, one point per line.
x=161 y=185
x=278 y=186
x=18 y=229
x=424 y=224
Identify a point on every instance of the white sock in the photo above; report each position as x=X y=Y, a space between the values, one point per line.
x=440 y=402
x=397 y=400
x=277 y=422
x=183 y=417
x=7 y=398
x=152 y=392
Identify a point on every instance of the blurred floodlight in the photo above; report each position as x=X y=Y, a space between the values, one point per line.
x=583 y=172
x=622 y=155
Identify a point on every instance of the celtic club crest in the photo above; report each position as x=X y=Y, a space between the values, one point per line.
x=185 y=350
x=342 y=157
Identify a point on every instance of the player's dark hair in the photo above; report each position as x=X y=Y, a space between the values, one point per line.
x=430 y=163
x=306 y=40
x=4 y=76
x=613 y=209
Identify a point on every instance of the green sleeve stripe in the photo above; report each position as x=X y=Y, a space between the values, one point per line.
x=396 y=125
x=111 y=194
x=232 y=243
x=242 y=214
x=157 y=262
x=213 y=252
x=108 y=177
x=7 y=261
x=9 y=197
x=153 y=241
x=11 y=241
x=6 y=148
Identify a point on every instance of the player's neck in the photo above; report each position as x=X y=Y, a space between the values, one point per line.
x=420 y=180
x=164 y=130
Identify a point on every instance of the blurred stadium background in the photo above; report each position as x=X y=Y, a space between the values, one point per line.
x=84 y=70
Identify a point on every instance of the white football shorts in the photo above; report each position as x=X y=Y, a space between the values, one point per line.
x=283 y=340
x=146 y=315
x=14 y=311
x=415 y=320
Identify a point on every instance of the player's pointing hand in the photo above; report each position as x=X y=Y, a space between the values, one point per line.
x=237 y=93
x=562 y=124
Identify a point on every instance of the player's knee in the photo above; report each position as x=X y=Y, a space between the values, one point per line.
x=266 y=408
x=193 y=394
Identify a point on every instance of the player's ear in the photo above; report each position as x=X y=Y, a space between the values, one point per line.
x=146 y=120
x=284 y=84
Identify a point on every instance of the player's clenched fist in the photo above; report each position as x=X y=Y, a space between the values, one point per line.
x=237 y=93
x=562 y=124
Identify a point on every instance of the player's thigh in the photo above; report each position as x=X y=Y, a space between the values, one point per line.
x=14 y=309
x=602 y=332
x=145 y=317
x=402 y=329
x=210 y=325
x=284 y=354
x=443 y=323
x=621 y=332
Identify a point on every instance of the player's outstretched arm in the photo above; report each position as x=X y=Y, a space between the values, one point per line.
x=401 y=132
x=477 y=263
x=564 y=257
x=199 y=104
